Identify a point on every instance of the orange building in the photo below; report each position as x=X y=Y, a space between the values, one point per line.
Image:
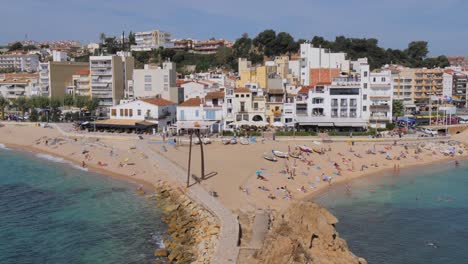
x=322 y=75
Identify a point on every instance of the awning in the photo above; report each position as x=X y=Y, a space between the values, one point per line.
x=320 y=124
x=349 y=124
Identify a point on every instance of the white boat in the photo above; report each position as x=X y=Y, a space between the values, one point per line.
x=270 y=157
x=244 y=141
x=305 y=149
x=226 y=141
x=280 y=154
x=206 y=141
x=233 y=141
x=196 y=141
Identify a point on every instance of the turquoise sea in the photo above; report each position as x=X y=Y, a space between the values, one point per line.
x=419 y=216
x=52 y=212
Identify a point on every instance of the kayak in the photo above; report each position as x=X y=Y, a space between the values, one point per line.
x=270 y=158
x=280 y=154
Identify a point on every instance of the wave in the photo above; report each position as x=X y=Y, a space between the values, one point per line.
x=59 y=160
x=2 y=146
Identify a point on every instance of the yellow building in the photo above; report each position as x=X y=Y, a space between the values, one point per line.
x=253 y=75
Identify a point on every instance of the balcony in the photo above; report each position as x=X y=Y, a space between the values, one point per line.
x=344 y=105
x=301 y=112
x=379 y=108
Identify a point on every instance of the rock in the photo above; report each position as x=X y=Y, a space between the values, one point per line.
x=304 y=233
x=158 y=262
x=162 y=252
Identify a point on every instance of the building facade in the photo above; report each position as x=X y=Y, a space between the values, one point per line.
x=55 y=78
x=149 y=40
x=109 y=77
x=154 y=82
x=24 y=63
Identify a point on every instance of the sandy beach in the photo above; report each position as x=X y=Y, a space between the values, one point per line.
x=243 y=179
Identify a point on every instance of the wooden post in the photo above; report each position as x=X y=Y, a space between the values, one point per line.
x=202 y=156
x=189 y=159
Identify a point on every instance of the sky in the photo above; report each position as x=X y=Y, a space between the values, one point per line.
x=394 y=23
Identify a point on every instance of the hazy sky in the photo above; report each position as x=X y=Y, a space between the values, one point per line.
x=443 y=23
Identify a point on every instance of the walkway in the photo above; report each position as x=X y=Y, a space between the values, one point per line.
x=227 y=249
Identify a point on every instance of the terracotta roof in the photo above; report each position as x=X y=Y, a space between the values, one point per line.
x=82 y=72
x=304 y=89
x=323 y=83
x=158 y=101
x=242 y=90
x=216 y=94
x=180 y=82
x=192 y=102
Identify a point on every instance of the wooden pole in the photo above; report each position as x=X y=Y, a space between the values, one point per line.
x=189 y=160
x=202 y=156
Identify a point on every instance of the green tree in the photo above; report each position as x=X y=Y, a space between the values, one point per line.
x=284 y=44
x=417 y=52
x=21 y=103
x=55 y=104
x=265 y=42
x=4 y=103
x=69 y=100
x=29 y=47
x=92 y=104
x=16 y=46
x=224 y=56
x=131 y=38
x=398 y=108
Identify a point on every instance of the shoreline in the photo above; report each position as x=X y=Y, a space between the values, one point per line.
x=382 y=171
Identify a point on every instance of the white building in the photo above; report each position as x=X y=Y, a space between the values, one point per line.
x=198 y=89
x=14 y=85
x=149 y=40
x=109 y=77
x=208 y=110
x=378 y=96
x=318 y=58
x=59 y=55
x=25 y=63
x=154 y=110
x=155 y=82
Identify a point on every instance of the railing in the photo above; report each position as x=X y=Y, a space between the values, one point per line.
x=379 y=107
x=334 y=105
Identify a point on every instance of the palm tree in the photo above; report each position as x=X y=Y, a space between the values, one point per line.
x=22 y=104
x=3 y=104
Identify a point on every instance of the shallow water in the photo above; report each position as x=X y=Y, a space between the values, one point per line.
x=417 y=217
x=51 y=212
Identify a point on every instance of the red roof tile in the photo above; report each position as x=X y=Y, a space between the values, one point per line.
x=216 y=94
x=158 y=101
x=192 y=102
x=242 y=90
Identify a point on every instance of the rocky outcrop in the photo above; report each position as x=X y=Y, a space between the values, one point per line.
x=304 y=233
x=193 y=231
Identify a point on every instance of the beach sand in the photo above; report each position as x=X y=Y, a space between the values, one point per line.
x=232 y=169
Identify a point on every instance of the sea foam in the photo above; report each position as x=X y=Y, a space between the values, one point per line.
x=59 y=160
x=2 y=146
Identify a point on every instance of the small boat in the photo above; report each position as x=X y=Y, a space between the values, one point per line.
x=270 y=158
x=226 y=141
x=318 y=151
x=244 y=141
x=294 y=155
x=206 y=141
x=280 y=154
x=233 y=141
x=305 y=149
x=196 y=141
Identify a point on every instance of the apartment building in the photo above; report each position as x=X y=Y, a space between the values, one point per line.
x=55 y=78
x=318 y=58
x=58 y=55
x=208 y=110
x=427 y=83
x=149 y=40
x=21 y=62
x=81 y=83
x=153 y=81
x=110 y=76
x=245 y=106
x=15 y=85
x=378 y=97
x=455 y=86
x=403 y=82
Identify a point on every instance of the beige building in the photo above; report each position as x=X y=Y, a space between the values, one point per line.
x=109 y=77
x=80 y=83
x=149 y=40
x=55 y=77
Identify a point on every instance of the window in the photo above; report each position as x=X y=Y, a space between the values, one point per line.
x=196 y=113
x=113 y=112
x=364 y=108
x=166 y=87
x=383 y=79
x=344 y=102
x=166 y=78
x=121 y=112
x=365 y=85
x=131 y=112
x=317 y=101
x=182 y=115
x=276 y=108
x=148 y=78
x=365 y=74
x=139 y=112
x=255 y=105
x=210 y=114
x=126 y=112
x=237 y=95
x=335 y=102
x=147 y=86
x=352 y=102
x=352 y=113
x=148 y=113
x=364 y=96
x=247 y=95
x=242 y=95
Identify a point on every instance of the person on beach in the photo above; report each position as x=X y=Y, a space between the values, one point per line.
x=83 y=164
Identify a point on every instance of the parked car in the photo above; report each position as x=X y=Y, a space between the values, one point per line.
x=430 y=131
